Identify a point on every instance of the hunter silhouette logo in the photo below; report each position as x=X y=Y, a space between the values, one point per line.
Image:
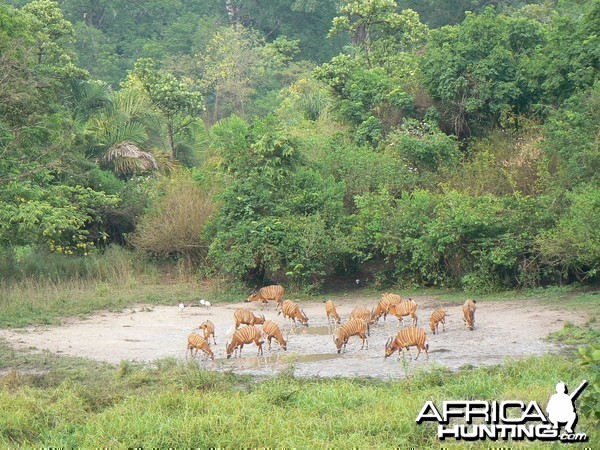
x=509 y=419
x=561 y=407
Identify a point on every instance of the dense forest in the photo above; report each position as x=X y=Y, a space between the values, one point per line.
x=415 y=143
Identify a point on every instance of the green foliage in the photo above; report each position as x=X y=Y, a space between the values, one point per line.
x=590 y=361
x=58 y=217
x=480 y=242
x=278 y=214
x=477 y=69
x=423 y=148
x=176 y=99
x=573 y=245
x=572 y=139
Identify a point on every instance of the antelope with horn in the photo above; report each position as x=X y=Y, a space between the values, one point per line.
x=408 y=337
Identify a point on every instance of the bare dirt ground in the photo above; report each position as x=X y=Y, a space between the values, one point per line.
x=512 y=328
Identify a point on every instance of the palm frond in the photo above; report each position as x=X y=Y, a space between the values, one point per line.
x=126 y=159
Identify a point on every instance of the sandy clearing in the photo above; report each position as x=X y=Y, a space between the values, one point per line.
x=512 y=328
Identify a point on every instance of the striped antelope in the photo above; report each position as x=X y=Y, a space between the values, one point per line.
x=405 y=308
x=383 y=307
x=331 y=312
x=209 y=330
x=273 y=292
x=353 y=327
x=195 y=341
x=245 y=316
x=469 y=314
x=437 y=316
x=408 y=337
x=271 y=330
x=362 y=312
x=244 y=335
x=292 y=311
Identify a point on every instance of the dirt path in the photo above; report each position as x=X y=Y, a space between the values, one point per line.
x=503 y=329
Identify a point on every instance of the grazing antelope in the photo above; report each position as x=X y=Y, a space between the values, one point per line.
x=244 y=335
x=209 y=329
x=437 y=316
x=195 y=341
x=362 y=312
x=383 y=307
x=469 y=314
x=244 y=316
x=273 y=292
x=271 y=330
x=405 y=308
x=351 y=328
x=292 y=311
x=408 y=337
x=331 y=312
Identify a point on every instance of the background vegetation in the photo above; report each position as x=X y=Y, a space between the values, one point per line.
x=401 y=142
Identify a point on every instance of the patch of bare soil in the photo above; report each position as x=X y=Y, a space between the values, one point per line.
x=503 y=329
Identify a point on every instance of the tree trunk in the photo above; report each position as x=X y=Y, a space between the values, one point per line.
x=233 y=11
x=171 y=141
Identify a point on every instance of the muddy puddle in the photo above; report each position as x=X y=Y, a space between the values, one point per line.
x=513 y=328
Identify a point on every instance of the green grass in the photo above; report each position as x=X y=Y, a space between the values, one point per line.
x=77 y=403
x=577 y=335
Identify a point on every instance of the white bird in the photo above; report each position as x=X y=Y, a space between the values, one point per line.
x=181 y=306
x=357 y=281
x=205 y=303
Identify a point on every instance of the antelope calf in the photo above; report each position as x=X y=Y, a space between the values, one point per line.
x=437 y=316
x=195 y=341
x=244 y=335
x=273 y=292
x=383 y=307
x=271 y=330
x=331 y=312
x=469 y=314
x=408 y=337
x=244 y=316
x=354 y=327
x=292 y=311
x=363 y=313
x=209 y=330
x=405 y=308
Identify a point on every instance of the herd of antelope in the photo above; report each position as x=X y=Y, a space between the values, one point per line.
x=358 y=324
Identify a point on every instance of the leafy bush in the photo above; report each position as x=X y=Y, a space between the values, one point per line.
x=573 y=245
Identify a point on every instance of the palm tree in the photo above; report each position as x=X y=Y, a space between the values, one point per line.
x=126 y=134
